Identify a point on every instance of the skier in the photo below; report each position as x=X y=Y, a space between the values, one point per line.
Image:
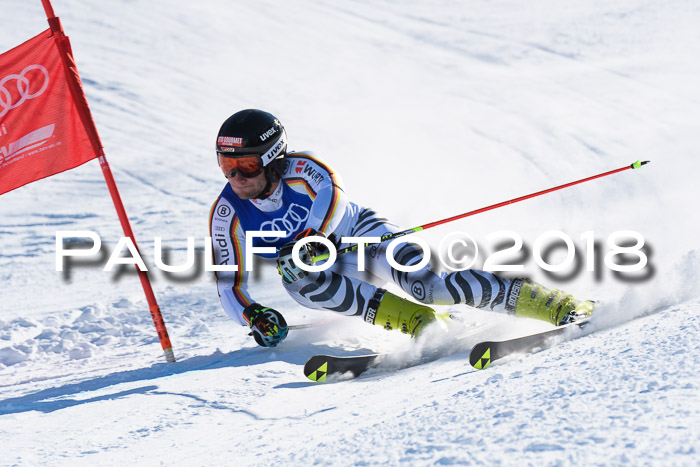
x=272 y=189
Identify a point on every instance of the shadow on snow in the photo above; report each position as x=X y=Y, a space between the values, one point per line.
x=57 y=398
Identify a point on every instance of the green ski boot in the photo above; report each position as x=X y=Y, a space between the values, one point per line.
x=391 y=312
x=532 y=300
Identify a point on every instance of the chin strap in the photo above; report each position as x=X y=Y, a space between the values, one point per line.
x=272 y=174
x=267 y=191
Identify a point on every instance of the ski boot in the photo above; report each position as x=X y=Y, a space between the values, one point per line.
x=532 y=300
x=392 y=312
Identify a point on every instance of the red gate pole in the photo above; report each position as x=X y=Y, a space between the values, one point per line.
x=143 y=275
x=87 y=121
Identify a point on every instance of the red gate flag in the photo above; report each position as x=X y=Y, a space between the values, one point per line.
x=46 y=128
x=43 y=128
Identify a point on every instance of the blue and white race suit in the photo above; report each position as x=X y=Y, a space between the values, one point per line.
x=310 y=195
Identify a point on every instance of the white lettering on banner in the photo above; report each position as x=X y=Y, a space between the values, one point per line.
x=403 y=268
x=492 y=262
x=617 y=249
x=209 y=266
x=250 y=249
x=61 y=253
x=621 y=243
x=537 y=251
x=332 y=253
x=158 y=256
x=23 y=86
x=465 y=241
x=27 y=142
x=135 y=257
x=361 y=242
x=291 y=222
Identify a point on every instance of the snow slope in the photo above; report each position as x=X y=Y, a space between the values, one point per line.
x=505 y=98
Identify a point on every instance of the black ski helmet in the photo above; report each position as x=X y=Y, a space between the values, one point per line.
x=254 y=131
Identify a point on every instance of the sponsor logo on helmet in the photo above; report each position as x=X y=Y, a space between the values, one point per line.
x=226 y=149
x=276 y=150
x=268 y=133
x=229 y=141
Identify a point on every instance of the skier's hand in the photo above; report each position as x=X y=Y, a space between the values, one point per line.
x=312 y=248
x=287 y=267
x=267 y=326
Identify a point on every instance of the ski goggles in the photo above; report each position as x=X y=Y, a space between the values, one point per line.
x=248 y=165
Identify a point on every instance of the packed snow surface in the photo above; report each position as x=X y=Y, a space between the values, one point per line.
x=426 y=110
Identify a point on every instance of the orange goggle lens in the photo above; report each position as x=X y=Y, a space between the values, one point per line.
x=248 y=166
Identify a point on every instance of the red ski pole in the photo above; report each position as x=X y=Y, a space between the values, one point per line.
x=635 y=165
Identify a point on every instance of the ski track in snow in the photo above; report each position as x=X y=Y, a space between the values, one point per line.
x=510 y=97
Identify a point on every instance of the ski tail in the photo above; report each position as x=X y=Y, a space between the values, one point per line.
x=318 y=367
x=487 y=352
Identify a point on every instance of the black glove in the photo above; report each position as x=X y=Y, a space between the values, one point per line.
x=267 y=326
x=286 y=266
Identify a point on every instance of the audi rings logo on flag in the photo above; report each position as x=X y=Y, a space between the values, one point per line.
x=27 y=85
x=291 y=222
x=44 y=119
